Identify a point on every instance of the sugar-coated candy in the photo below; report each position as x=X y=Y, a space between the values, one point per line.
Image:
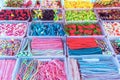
x=15 y=14
x=42 y=70
x=80 y=15
x=106 y=3
x=87 y=46
x=18 y=3
x=51 y=4
x=53 y=15
x=78 y=4
x=46 y=29
x=83 y=29
x=112 y=28
x=43 y=46
x=13 y=29
x=93 y=68
x=7 y=67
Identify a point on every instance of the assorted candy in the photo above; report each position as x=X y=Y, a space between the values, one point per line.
x=9 y=47
x=109 y=14
x=112 y=28
x=54 y=15
x=47 y=46
x=106 y=3
x=87 y=46
x=20 y=14
x=78 y=4
x=6 y=69
x=13 y=29
x=116 y=45
x=18 y=3
x=51 y=4
x=94 y=68
x=83 y=29
x=46 y=29
x=42 y=70
x=76 y=15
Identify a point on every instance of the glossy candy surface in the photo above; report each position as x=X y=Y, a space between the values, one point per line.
x=76 y=15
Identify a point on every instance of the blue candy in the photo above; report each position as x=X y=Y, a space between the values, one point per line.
x=46 y=29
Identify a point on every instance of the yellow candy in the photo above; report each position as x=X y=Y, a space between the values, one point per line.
x=78 y=4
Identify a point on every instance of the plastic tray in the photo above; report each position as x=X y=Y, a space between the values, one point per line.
x=41 y=59
x=18 y=49
x=3 y=5
x=98 y=22
x=10 y=22
x=98 y=17
x=98 y=38
x=16 y=9
x=48 y=15
x=29 y=29
x=110 y=21
x=11 y=58
x=63 y=42
x=96 y=59
x=81 y=10
x=113 y=38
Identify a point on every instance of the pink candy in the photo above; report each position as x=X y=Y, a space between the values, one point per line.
x=53 y=70
x=43 y=44
x=6 y=69
x=112 y=28
x=14 y=29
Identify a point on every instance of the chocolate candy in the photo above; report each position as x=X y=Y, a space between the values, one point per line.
x=46 y=29
x=55 y=15
x=74 y=15
x=111 y=14
x=20 y=14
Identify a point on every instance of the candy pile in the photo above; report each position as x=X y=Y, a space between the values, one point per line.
x=106 y=3
x=6 y=69
x=9 y=47
x=51 y=4
x=116 y=45
x=37 y=4
x=87 y=46
x=110 y=14
x=78 y=4
x=47 y=46
x=112 y=28
x=38 y=14
x=46 y=29
x=83 y=29
x=94 y=68
x=20 y=14
x=13 y=29
x=73 y=15
x=41 y=70
x=18 y=3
